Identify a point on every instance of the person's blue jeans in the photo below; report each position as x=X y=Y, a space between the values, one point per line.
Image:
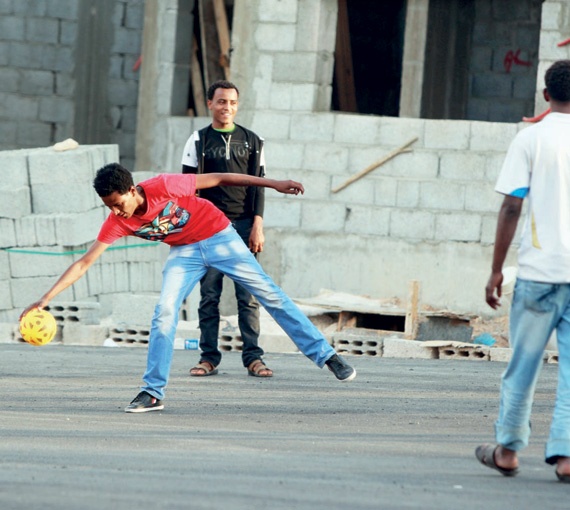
x=537 y=310
x=211 y=286
x=184 y=268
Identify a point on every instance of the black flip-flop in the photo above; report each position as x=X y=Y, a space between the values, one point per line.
x=486 y=455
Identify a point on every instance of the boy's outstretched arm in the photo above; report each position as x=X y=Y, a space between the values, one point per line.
x=70 y=276
x=211 y=180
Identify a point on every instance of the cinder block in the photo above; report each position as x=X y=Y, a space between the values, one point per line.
x=442 y=194
x=14 y=166
x=86 y=313
x=396 y=131
x=129 y=336
x=296 y=67
x=273 y=125
x=78 y=228
x=482 y=197
x=464 y=165
x=550 y=15
x=25 y=228
x=280 y=12
x=80 y=334
x=228 y=343
x=326 y=157
x=408 y=193
x=33 y=133
x=56 y=109
x=359 y=342
x=491 y=136
x=7 y=233
x=503 y=354
x=5 y=272
x=458 y=227
x=275 y=36
x=277 y=343
x=45 y=229
x=412 y=224
x=323 y=216
x=401 y=348
x=42 y=30
x=447 y=134
x=349 y=128
x=367 y=220
x=38 y=263
x=309 y=127
x=416 y=165
x=305 y=97
x=47 y=166
x=134 y=308
x=5 y=294
x=282 y=213
x=358 y=192
x=468 y=352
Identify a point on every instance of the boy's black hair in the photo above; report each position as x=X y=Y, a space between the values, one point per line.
x=557 y=79
x=220 y=84
x=112 y=177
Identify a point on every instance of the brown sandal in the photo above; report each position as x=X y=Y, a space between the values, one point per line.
x=203 y=369
x=257 y=368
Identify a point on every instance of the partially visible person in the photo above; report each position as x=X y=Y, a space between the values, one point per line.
x=165 y=208
x=226 y=147
x=537 y=167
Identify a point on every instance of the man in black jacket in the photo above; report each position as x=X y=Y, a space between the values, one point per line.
x=224 y=147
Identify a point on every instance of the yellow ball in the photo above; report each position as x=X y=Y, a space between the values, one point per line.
x=38 y=327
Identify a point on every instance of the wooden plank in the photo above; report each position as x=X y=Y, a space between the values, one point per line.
x=368 y=169
x=346 y=320
x=344 y=72
x=210 y=44
x=411 y=324
x=197 y=84
x=223 y=36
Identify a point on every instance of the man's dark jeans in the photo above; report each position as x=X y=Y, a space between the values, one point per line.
x=209 y=312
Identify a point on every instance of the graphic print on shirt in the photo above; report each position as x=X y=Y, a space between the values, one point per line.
x=169 y=221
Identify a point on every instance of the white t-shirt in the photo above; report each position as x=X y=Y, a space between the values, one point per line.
x=537 y=165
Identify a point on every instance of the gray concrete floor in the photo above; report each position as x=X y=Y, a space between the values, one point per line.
x=400 y=436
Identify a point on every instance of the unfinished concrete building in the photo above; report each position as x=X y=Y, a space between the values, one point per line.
x=334 y=86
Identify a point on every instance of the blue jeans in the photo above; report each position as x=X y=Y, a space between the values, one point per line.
x=536 y=311
x=211 y=286
x=184 y=268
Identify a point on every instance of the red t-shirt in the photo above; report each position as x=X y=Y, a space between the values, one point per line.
x=174 y=215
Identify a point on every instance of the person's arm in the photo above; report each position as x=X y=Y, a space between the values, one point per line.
x=506 y=227
x=71 y=275
x=256 y=237
x=217 y=179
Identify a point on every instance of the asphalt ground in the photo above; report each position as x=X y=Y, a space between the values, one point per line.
x=401 y=435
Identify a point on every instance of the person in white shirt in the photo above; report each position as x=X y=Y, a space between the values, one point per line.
x=537 y=167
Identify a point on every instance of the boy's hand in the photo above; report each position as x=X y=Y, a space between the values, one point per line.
x=38 y=304
x=289 y=187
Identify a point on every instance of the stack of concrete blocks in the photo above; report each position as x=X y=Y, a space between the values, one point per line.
x=50 y=214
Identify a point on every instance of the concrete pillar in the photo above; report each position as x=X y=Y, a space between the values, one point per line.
x=413 y=59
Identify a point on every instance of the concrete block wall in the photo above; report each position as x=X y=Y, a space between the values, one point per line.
x=504 y=60
x=50 y=217
x=38 y=73
x=429 y=214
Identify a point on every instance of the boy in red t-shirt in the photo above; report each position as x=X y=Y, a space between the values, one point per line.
x=165 y=208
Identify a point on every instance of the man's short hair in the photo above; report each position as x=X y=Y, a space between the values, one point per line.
x=220 y=84
x=112 y=177
x=557 y=79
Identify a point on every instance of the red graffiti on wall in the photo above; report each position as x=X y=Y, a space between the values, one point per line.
x=512 y=57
